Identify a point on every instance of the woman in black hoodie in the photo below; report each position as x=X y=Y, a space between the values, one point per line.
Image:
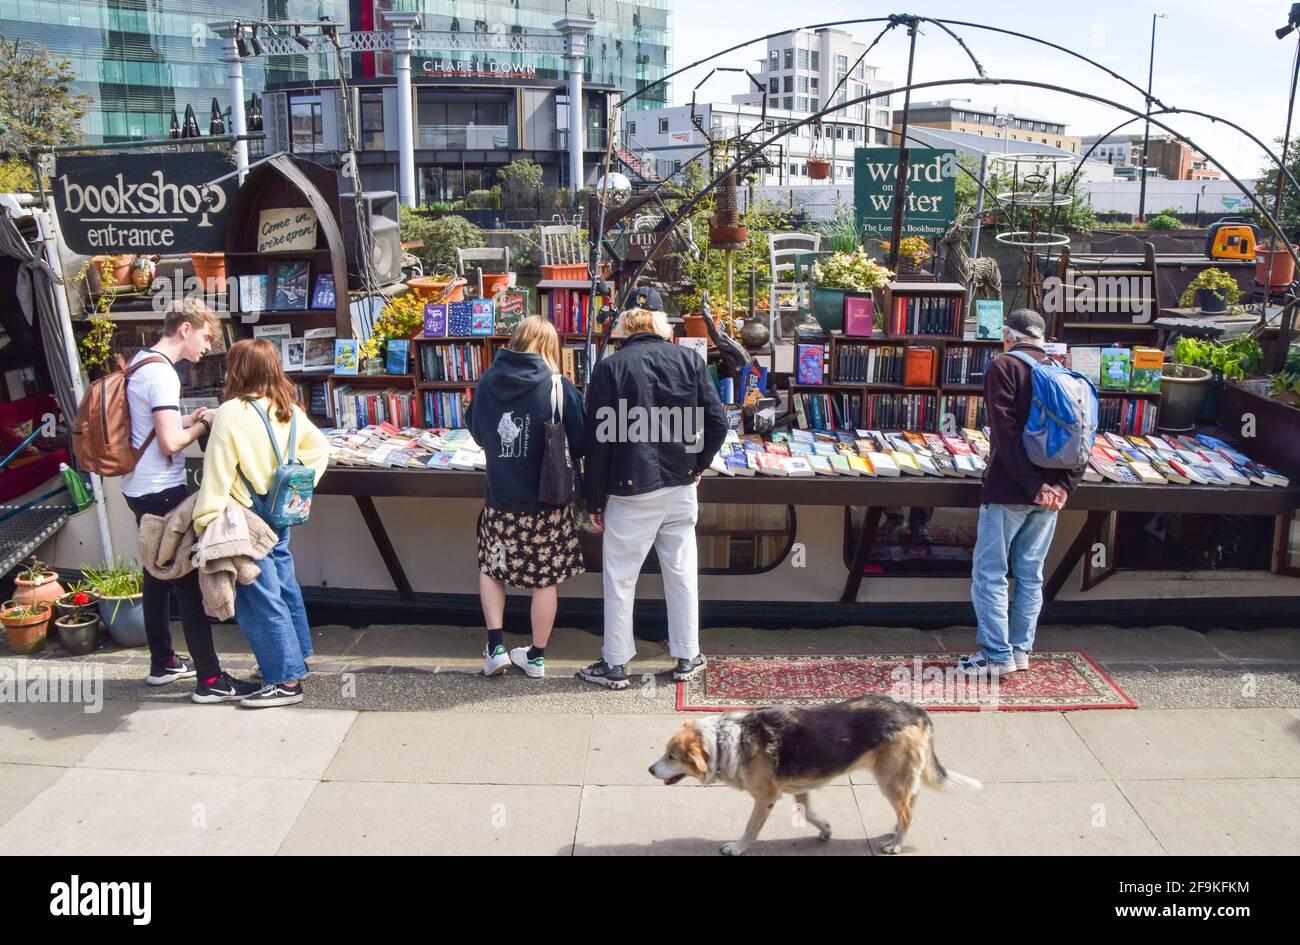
x=521 y=541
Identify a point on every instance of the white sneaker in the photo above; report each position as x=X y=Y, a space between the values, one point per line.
x=980 y=665
x=533 y=669
x=1021 y=657
x=496 y=662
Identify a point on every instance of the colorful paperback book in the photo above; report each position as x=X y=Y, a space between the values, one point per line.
x=396 y=353
x=512 y=308
x=291 y=285
x=435 y=320
x=322 y=291
x=883 y=464
x=276 y=334
x=796 y=466
x=318 y=349
x=738 y=463
x=769 y=464
x=481 y=317
x=809 y=364
x=840 y=464
x=719 y=465
x=1146 y=473
x=346 y=356
x=460 y=318
x=1147 y=364
x=906 y=463
x=860 y=466
x=1116 y=365
x=988 y=319
x=821 y=465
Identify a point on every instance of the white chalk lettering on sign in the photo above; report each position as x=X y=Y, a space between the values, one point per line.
x=285 y=229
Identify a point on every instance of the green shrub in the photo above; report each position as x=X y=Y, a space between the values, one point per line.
x=520 y=182
x=440 y=235
x=479 y=200
x=1163 y=221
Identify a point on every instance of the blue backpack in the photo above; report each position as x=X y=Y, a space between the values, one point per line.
x=1062 y=419
x=288 y=498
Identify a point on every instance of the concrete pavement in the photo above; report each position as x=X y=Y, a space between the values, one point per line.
x=401 y=749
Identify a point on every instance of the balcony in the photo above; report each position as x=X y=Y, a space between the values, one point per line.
x=462 y=137
x=594 y=140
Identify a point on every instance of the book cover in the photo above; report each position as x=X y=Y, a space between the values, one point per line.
x=769 y=464
x=796 y=466
x=346 y=356
x=435 y=320
x=512 y=308
x=318 y=349
x=988 y=319
x=482 y=315
x=292 y=354
x=1058 y=351
x=397 y=351
x=322 y=291
x=1115 y=368
x=1087 y=361
x=859 y=466
x=276 y=334
x=920 y=367
x=1147 y=364
x=291 y=285
x=839 y=464
x=460 y=319
x=252 y=293
x=859 y=315
x=809 y=366
x=699 y=345
x=883 y=464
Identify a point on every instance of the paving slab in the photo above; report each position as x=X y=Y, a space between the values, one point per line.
x=464 y=748
x=665 y=821
x=1192 y=743
x=221 y=739
x=23 y=783
x=1281 y=643
x=1128 y=643
x=353 y=817
x=1220 y=817
x=1062 y=818
x=102 y=812
x=1244 y=685
x=55 y=733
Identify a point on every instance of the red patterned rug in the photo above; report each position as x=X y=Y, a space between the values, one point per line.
x=1054 y=681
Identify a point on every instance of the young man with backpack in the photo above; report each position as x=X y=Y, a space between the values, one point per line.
x=156 y=485
x=1041 y=424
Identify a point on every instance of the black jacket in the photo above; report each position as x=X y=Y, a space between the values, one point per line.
x=634 y=445
x=1011 y=479
x=507 y=416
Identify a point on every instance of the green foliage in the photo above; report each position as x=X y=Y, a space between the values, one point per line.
x=1266 y=189
x=1078 y=216
x=440 y=236
x=855 y=271
x=520 y=182
x=16 y=177
x=481 y=200
x=1223 y=285
x=842 y=235
x=118 y=577
x=37 y=105
x=1238 y=358
x=1163 y=221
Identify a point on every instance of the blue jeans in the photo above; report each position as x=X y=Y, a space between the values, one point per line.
x=1015 y=539
x=271 y=615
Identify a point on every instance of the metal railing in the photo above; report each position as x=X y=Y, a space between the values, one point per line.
x=463 y=137
x=593 y=140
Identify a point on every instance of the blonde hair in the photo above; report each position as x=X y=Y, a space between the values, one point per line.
x=636 y=321
x=536 y=335
x=189 y=311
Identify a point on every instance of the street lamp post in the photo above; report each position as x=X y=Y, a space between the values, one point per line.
x=1146 y=133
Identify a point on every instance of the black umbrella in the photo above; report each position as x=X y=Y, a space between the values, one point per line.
x=216 y=124
x=191 y=128
x=175 y=131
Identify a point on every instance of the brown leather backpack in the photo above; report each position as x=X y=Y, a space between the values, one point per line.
x=101 y=437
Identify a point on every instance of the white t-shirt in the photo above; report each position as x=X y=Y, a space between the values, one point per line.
x=152 y=388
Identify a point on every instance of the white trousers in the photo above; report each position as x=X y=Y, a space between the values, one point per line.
x=664 y=519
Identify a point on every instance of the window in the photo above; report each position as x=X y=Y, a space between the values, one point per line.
x=773 y=60
x=857 y=90
x=849 y=170
x=841 y=64
x=794 y=170
x=884 y=100
x=803 y=170
x=961 y=116
x=1190 y=541
x=915 y=541
x=305 y=127
x=803 y=83
x=663 y=126
x=372 y=121
x=789 y=83
x=788 y=58
x=850 y=134
x=774 y=85
x=816 y=61
x=814 y=84
x=812 y=104
x=788 y=103
x=803 y=59
x=802 y=103
x=839 y=132
x=858 y=70
x=631 y=128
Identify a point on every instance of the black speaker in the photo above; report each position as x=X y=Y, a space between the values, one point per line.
x=378 y=217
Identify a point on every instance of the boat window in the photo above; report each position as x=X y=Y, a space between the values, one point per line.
x=733 y=538
x=915 y=541
x=1183 y=541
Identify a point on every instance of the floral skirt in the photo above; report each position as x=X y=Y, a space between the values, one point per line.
x=528 y=549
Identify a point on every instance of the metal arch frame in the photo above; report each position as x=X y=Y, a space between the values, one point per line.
x=685 y=208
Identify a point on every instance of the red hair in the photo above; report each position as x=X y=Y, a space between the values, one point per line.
x=253 y=370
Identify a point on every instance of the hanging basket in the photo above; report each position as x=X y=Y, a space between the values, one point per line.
x=819 y=168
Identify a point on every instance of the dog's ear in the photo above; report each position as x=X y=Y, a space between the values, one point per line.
x=695 y=752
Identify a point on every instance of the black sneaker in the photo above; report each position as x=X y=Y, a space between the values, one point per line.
x=601 y=673
x=269 y=696
x=175 y=668
x=688 y=669
x=225 y=688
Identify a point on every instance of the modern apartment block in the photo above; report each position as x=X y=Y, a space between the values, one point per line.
x=1169 y=158
x=960 y=115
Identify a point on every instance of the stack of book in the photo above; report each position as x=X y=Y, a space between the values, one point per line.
x=852 y=453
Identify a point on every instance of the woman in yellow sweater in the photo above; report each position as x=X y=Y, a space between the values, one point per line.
x=270 y=611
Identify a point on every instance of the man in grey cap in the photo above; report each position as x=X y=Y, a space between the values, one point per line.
x=1018 y=506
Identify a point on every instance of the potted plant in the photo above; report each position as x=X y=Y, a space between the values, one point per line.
x=37 y=583
x=118 y=584
x=78 y=627
x=1274 y=265
x=818 y=168
x=114 y=271
x=210 y=270
x=401 y=317
x=25 y=624
x=1191 y=380
x=1213 y=290
x=63 y=605
x=839 y=275
x=913 y=252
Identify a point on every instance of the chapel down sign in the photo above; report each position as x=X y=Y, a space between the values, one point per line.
x=143 y=203
x=931 y=189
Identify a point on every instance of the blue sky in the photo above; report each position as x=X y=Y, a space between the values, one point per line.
x=1218 y=57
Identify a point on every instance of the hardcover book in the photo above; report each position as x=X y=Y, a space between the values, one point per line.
x=322 y=292
x=512 y=308
x=482 y=316
x=435 y=320
x=291 y=286
x=1146 y=367
x=346 y=356
x=397 y=351
x=1115 y=368
x=988 y=319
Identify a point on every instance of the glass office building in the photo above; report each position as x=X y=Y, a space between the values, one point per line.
x=140 y=59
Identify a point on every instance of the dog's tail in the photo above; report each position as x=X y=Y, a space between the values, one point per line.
x=939 y=777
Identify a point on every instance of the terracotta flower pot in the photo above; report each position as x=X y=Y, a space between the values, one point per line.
x=121 y=269
x=1274 y=267
x=44 y=588
x=563 y=271
x=819 y=168
x=210 y=270
x=695 y=327
x=495 y=282
x=26 y=633
x=435 y=289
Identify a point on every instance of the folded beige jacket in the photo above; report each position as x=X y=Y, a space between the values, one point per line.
x=227 y=551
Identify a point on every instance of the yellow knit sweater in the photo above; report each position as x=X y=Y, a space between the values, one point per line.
x=239 y=442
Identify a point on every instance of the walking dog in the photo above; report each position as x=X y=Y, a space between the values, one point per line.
x=793 y=749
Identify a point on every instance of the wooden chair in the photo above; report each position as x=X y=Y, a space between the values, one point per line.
x=784 y=250
x=563 y=246
x=483 y=258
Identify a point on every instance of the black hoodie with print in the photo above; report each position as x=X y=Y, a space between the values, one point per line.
x=507 y=416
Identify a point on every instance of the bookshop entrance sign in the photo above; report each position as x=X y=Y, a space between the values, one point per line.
x=931 y=189
x=143 y=203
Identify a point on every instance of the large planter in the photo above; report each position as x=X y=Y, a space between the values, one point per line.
x=1274 y=266
x=495 y=282
x=437 y=289
x=819 y=168
x=1210 y=302
x=569 y=271
x=78 y=637
x=45 y=588
x=695 y=326
x=26 y=633
x=828 y=307
x=124 y=617
x=210 y=270
x=1182 y=390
